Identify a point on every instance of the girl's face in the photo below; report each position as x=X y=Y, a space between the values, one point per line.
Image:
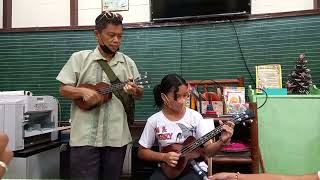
x=176 y=104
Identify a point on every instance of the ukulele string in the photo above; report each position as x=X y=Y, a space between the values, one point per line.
x=112 y=88
x=236 y=119
x=201 y=141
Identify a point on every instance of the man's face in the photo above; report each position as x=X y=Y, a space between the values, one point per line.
x=111 y=36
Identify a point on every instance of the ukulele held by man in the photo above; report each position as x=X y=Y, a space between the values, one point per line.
x=105 y=91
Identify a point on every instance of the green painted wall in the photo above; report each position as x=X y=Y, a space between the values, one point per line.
x=31 y=60
x=289 y=133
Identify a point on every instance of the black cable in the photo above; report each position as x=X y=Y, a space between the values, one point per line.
x=265 y=99
x=245 y=63
x=181 y=40
x=198 y=92
x=214 y=82
x=219 y=86
x=244 y=60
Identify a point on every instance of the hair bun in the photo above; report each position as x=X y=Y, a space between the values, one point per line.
x=157 y=88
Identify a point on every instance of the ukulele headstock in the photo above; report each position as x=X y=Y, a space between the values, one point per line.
x=143 y=80
x=243 y=116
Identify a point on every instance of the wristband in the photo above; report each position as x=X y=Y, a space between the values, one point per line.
x=2 y=164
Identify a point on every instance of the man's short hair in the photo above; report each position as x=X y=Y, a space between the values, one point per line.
x=106 y=18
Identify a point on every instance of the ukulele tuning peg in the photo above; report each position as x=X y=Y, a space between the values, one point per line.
x=144 y=75
x=244 y=123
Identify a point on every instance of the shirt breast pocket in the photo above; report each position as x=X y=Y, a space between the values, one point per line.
x=121 y=72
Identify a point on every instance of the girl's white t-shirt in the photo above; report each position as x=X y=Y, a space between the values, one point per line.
x=168 y=132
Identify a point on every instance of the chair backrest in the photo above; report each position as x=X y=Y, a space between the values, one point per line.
x=205 y=85
x=239 y=81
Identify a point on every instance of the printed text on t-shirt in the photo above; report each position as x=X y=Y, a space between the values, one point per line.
x=162 y=133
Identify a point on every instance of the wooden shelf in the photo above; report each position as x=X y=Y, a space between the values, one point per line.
x=233 y=158
x=239 y=81
x=252 y=157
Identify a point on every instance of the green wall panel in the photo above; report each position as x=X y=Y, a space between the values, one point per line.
x=289 y=133
x=31 y=60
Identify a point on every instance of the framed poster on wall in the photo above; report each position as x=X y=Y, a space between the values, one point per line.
x=115 y=5
x=268 y=76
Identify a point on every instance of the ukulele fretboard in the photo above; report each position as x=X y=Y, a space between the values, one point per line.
x=192 y=146
x=112 y=88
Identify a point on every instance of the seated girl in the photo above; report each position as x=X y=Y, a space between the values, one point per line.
x=172 y=125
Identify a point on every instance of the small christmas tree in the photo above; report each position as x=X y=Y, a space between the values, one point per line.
x=299 y=80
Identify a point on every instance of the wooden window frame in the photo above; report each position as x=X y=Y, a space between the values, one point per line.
x=7 y=14
x=74 y=13
x=316 y=4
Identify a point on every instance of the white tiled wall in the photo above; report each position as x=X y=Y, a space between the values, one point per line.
x=273 y=6
x=1 y=14
x=89 y=10
x=138 y=13
x=40 y=13
x=46 y=13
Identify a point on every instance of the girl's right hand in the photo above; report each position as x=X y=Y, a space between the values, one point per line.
x=171 y=158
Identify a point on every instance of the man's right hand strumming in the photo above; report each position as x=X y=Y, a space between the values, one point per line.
x=90 y=96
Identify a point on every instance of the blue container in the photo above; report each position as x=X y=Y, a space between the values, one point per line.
x=276 y=91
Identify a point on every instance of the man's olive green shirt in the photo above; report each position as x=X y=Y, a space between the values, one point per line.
x=105 y=125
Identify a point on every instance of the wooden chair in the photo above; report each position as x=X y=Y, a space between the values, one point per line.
x=239 y=81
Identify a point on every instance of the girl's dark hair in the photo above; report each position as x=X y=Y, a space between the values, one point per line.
x=106 y=18
x=168 y=83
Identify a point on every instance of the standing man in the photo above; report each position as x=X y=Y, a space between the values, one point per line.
x=99 y=136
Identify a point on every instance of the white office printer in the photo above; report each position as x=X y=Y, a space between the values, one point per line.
x=28 y=120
